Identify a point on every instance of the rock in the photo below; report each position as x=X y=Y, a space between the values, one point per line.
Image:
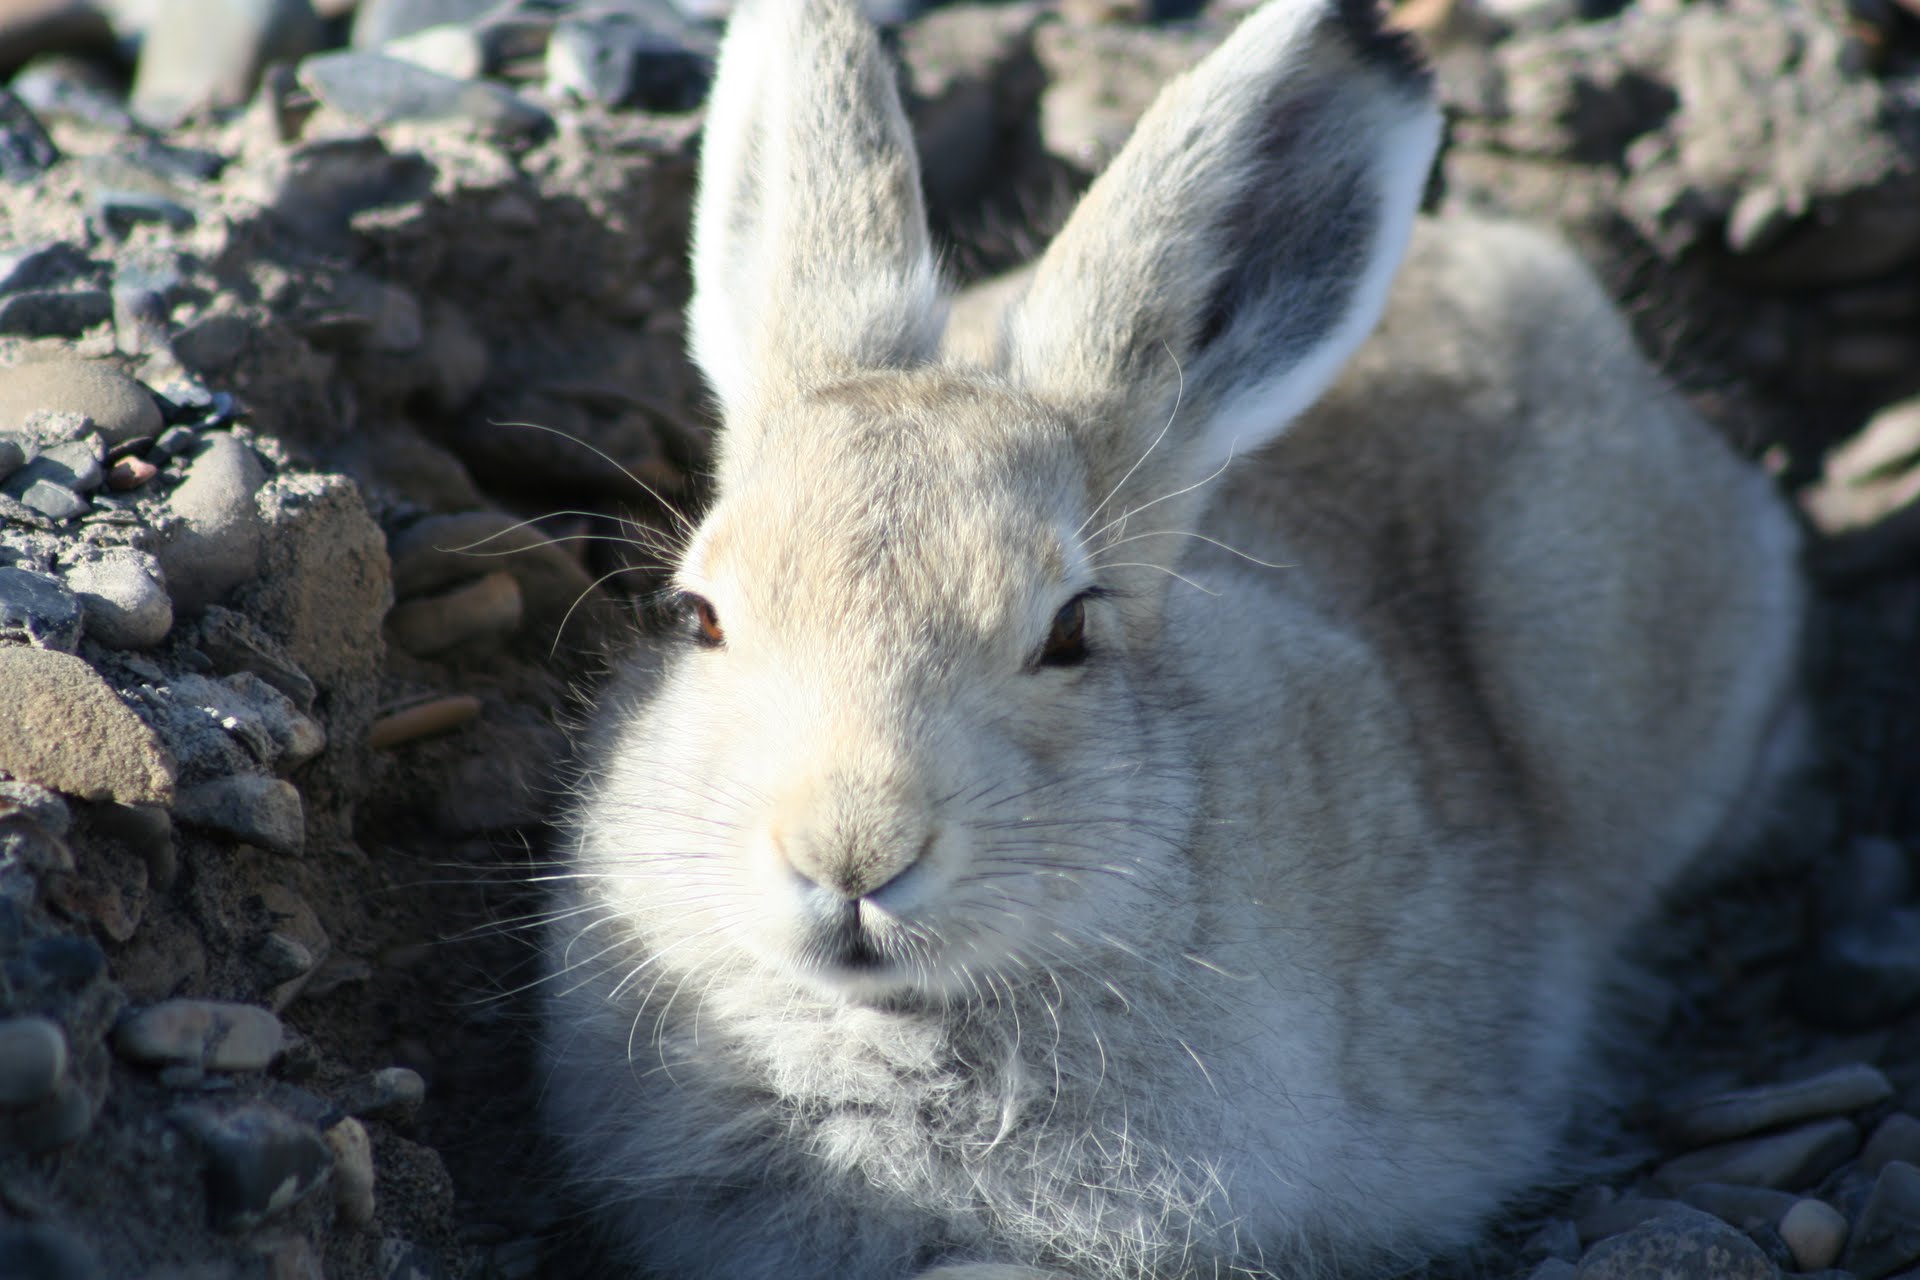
x=130 y=473
x=1863 y=972
x=54 y=1122
x=54 y=313
x=1896 y=1138
x=454 y=50
x=37 y=1251
x=389 y=1092
x=13 y=455
x=37 y=609
x=423 y=720
x=71 y=464
x=1887 y=1236
x=37 y=267
x=1815 y=1231
x=618 y=60
x=379 y=21
x=124 y=595
x=209 y=53
x=64 y=728
x=1624 y=1215
x=259 y=811
x=46 y=809
x=1696 y=1246
x=377 y=90
x=1794 y=1158
x=1845 y=1089
x=212 y=1034
x=120 y=408
x=441 y=551
x=1740 y=1207
x=33 y=1060
x=1867 y=479
x=486 y=609
x=54 y=501
x=214 y=546
x=176 y=442
x=295 y=1260
x=282 y=959
x=26 y=151
x=352 y=1171
x=115 y=211
x=211 y=345
x=260 y=1162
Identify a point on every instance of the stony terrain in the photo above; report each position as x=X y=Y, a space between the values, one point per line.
x=341 y=386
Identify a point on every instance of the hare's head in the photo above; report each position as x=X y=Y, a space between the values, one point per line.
x=920 y=730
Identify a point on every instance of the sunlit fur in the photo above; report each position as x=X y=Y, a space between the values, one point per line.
x=1268 y=937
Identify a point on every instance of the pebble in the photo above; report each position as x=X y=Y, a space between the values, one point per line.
x=1740 y=1207
x=54 y=313
x=1815 y=1232
x=212 y=345
x=37 y=1251
x=33 y=1060
x=1742 y=1112
x=378 y=90
x=210 y=53
x=13 y=456
x=213 y=1034
x=352 y=1170
x=266 y=812
x=260 y=1161
x=1887 y=1236
x=114 y=212
x=124 y=595
x=489 y=607
x=282 y=959
x=451 y=50
x=130 y=473
x=64 y=727
x=1794 y=1158
x=1896 y=1138
x=389 y=1092
x=72 y=464
x=121 y=409
x=618 y=60
x=26 y=151
x=423 y=720
x=36 y=608
x=1696 y=1246
x=41 y=265
x=53 y=500
x=177 y=442
x=54 y=1122
x=216 y=544
x=378 y=21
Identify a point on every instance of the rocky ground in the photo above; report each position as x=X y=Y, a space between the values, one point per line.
x=341 y=382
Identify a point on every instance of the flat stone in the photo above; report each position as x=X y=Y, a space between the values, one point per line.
x=260 y=1162
x=388 y=1092
x=1696 y=1246
x=217 y=1035
x=486 y=609
x=115 y=211
x=266 y=812
x=33 y=1060
x=1887 y=1237
x=54 y=313
x=210 y=53
x=63 y=727
x=1740 y=1207
x=124 y=595
x=36 y=608
x=121 y=409
x=72 y=464
x=1794 y=1158
x=216 y=544
x=1815 y=1232
x=1896 y=1138
x=1624 y=1215
x=1743 y=1112
x=39 y=266
x=378 y=90
x=53 y=500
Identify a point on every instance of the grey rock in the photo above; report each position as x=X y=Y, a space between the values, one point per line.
x=322 y=183
x=175 y=442
x=244 y=706
x=54 y=501
x=209 y=53
x=1815 y=1232
x=378 y=90
x=259 y=811
x=1794 y=1158
x=212 y=344
x=39 y=1251
x=1617 y=1216
x=120 y=408
x=1887 y=1236
x=487 y=609
x=124 y=595
x=217 y=1035
x=33 y=1060
x=1896 y=1138
x=1691 y=1246
x=73 y=464
x=454 y=49
x=214 y=546
x=235 y=643
x=54 y=313
x=41 y=266
x=38 y=609
x=13 y=456
x=26 y=151
x=1737 y=1114
x=378 y=21
x=115 y=211
x=260 y=1161
x=1863 y=972
x=54 y=1122
x=45 y=807
x=618 y=60
x=282 y=958
x=1740 y=1207
x=389 y=1092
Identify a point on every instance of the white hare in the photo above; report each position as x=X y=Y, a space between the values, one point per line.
x=1117 y=801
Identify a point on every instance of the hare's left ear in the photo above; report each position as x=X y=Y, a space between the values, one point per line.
x=811 y=256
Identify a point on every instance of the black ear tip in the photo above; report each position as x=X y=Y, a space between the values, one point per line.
x=1391 y=50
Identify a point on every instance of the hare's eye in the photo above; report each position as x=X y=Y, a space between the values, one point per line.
x=704 y=621
x=1067 y=643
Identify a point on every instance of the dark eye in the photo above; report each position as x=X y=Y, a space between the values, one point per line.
x=1067 y=642
x=703 y=621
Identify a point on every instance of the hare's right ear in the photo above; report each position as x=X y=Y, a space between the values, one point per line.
x=811 y=255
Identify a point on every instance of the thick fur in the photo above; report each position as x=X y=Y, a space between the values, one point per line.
x=1267 y=937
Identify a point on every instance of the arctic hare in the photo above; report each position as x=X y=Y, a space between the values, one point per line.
x=1115 y=801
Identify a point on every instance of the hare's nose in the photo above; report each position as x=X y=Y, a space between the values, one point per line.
x=850 y=862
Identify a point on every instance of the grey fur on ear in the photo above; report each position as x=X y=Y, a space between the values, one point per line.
x=1241 y=245
x=811 y=255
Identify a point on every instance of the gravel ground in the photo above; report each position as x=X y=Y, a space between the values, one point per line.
x=294 y=600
